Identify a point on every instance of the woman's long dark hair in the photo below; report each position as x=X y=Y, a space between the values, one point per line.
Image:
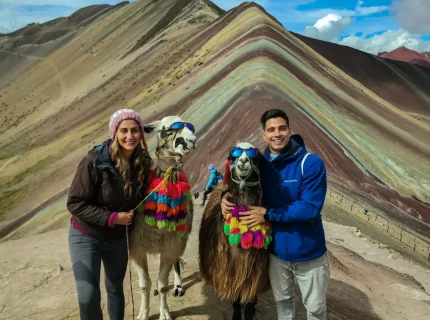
x=142 y=162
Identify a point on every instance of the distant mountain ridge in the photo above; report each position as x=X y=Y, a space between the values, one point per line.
x=408 y=55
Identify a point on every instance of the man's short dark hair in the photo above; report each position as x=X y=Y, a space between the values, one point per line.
x=273 y=113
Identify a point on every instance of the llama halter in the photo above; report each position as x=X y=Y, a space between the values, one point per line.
x=241 y=235
x=242 y=182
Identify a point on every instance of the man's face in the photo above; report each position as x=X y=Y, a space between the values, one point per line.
x=277 y=134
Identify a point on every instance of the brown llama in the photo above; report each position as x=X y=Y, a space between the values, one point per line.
x=237 y=275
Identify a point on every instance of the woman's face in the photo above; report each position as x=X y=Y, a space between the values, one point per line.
x=128 y=135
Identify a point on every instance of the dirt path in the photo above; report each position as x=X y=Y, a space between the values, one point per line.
x=36 y=282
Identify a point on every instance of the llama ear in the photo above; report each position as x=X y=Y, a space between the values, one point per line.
x=148 y=128
x=226 y=172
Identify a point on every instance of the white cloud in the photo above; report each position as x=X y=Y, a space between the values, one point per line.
x=365 y=11
x=413 y=15
x=312 y=15
x=328 y=28
x=387 y=41
x=332 y=25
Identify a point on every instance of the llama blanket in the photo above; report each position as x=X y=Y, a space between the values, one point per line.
x=166 y=205
x=240 y=234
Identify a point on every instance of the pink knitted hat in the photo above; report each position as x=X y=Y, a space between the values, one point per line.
x=121 y=115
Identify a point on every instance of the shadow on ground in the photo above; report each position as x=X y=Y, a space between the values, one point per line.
x=339 y=304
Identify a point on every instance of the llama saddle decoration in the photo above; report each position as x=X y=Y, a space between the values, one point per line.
x=166 y=205
x=241 y=235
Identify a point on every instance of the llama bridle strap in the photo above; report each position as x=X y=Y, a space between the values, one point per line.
x=243 y=182
x=163 y=141
x=240 y=234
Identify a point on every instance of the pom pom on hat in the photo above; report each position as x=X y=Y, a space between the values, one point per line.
x=211 y=167
x=121 y=115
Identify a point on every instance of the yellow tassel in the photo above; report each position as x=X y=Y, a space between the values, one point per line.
x=243 y=228
x=234 y=223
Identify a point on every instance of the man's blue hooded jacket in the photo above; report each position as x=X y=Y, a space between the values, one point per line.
x=294 y=199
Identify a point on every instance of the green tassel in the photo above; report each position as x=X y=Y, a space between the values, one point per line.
x=172 y=226
x=267 y=242
x=226 y=229
x=234 y=239
x=150 y=221
x=162 y=224
x=180 y=234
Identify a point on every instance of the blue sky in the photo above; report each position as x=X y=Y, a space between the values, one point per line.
x=369 y=25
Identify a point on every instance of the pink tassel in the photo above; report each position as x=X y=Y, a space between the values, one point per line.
x=246 y=241
x=258 y=240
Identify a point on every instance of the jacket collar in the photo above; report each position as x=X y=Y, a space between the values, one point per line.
x=103 y=158
x=295 y=147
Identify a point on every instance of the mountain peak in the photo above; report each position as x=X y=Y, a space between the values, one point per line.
x=407 y=55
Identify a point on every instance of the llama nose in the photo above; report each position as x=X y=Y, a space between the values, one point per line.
x=243 y=160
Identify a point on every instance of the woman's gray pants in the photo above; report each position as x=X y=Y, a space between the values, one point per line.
x=87 y=253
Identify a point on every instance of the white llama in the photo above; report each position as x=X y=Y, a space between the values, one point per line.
x=175 y=139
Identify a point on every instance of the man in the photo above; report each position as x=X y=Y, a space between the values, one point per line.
x=294 y=187
x=214 y=178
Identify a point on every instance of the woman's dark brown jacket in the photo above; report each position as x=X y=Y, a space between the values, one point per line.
x=98 y=190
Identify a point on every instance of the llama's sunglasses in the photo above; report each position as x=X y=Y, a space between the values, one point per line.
x=182 y=125
x=250 y=153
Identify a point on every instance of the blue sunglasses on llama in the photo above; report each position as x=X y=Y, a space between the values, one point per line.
x=250 y=153
x=182 y=125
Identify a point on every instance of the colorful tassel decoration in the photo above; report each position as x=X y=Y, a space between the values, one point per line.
x=234 y=239
x=166 y=205
x=246 y=241
x=258 y=237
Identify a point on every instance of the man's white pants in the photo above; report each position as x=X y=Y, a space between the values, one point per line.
x=312 y=277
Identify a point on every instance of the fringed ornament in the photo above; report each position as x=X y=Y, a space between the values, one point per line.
x=167 y=202
x=241 y=235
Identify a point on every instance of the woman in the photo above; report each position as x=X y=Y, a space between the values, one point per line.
x=109 y=183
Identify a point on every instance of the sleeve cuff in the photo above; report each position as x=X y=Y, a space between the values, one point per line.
x=269 y=215
x=112 y=219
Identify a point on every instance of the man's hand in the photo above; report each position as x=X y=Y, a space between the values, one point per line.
x=253 y=217
x=125 y=218
x=226 y=206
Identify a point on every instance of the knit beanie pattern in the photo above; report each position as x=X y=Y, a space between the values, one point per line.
x=121 y=115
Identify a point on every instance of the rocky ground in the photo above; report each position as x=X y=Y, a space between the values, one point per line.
x=368 y=281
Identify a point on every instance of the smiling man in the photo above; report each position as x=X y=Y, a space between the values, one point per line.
x=294 y=187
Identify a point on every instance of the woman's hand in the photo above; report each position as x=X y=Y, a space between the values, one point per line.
x=125 y=218
x=226 y=206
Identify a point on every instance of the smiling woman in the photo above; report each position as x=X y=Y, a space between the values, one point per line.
x=109 y=183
